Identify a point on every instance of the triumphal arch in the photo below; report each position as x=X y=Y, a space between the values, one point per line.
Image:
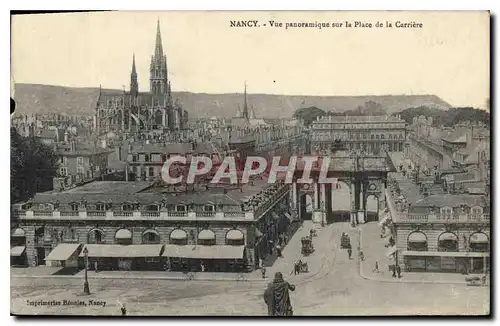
x=362 y=175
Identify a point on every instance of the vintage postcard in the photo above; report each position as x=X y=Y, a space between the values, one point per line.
x=250 y=163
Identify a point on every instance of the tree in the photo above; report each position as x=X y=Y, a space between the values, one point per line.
x=33 y=166
x=308 y=115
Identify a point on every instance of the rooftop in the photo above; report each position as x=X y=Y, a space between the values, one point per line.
x=359 y=119
x=452 y=200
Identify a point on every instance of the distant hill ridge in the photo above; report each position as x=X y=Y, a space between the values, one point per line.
x=36 y=98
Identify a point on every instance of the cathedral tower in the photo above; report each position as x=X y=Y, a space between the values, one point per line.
x=158 y=77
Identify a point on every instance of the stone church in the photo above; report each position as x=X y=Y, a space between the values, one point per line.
x=136 y=111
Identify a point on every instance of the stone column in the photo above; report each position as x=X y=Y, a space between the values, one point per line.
x=353 y=201
x=317 y=215
x=323 y=203
x=362 y=208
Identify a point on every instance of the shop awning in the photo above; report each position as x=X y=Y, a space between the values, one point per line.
x=235 y=235
x=204 y=252
x=63 y=251
x=123 y=251
x=17 y=251
x=417 y=237
x=479 y=237
x=18 y=232
x=123 y=234
x=447 y=236
x=178 y=234
x=446 y=254
x=206 y=235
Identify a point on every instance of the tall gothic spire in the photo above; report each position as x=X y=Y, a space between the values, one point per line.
x=245 y=104
x=158 y=45
x=134 y=85
x=134 y=71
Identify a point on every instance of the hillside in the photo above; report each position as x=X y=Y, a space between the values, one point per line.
x=33 y=98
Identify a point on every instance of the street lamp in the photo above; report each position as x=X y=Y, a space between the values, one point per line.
x=86 y=288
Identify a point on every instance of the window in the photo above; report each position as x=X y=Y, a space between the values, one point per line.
x=88 y=175
x=376 y=136
x=80 y=170
x=100 y=207
x=64 y=160
x=390 y=136
x=476 y=212
x=63 y=171
x=127 y=207
x=147 y=158
x=364 y=136
x=446 y=212
x=95 y=236
x=208 y=208
x=134 y=169
x=180 y=208
x=154 y=208
x=79 y=160
x=151 y=171
x=382 y=136
x=134 y=158
x=74 y=207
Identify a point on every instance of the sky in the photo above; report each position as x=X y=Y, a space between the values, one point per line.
x=449 y=56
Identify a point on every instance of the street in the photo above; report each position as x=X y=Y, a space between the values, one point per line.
x=336 y=288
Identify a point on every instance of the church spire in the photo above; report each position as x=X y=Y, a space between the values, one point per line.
x=158 y=45
x=134 y=72
x=134 y=85
x=245 y=104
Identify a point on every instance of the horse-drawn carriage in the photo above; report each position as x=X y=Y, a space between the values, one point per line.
x=307 y=246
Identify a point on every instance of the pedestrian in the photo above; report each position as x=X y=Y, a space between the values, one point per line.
x=270 y=247
x=278 y=251
x=361 y=256
x=376 y=270
x=263 y=271
x=349 y=252
x=96 y=267
x=123 y=309
x=393 y=268
x=297 y=267
x=285 y=238
x=398 y=270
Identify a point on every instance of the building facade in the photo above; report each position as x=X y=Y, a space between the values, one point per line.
x=132 y=225
x=442 y=233
x=370 y=133
x=136 y=111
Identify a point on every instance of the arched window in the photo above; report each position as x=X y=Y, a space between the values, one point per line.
x=209 y=208
x=448 y=241
x=417 y=241
x=479 y=242
x=235 y=238
x=150 y=237
x=123 y=236
x=179 y=237
x=180 y=208
x=372 y=136
x=95 y=236
x=206 y=237
x=153 y=207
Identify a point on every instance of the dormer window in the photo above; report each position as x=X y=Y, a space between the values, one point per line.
x=147 y=158
x=74 y=206
x=180 y=208
x=127 y=207
x=134 y=158
x=209 y=208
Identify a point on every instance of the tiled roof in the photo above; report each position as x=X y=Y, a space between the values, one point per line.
x=162 y=148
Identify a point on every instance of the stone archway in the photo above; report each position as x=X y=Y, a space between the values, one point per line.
x=372 y=208
x=341 y=203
